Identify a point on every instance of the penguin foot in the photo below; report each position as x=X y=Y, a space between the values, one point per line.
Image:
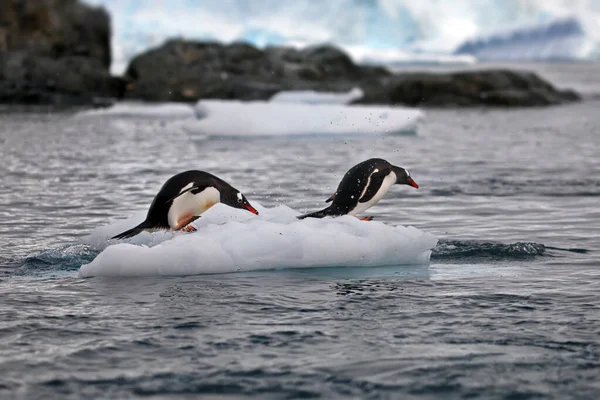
x=184 y=224
x=366 y=218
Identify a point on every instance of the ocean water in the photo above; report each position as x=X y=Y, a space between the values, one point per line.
x=509 y=307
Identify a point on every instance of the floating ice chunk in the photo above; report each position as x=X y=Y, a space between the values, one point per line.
x=131 y=109
x=134 y=117
x=258 y=118
x=313 y=97
x=230 y=240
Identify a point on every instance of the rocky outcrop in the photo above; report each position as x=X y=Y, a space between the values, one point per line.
x=188 y=71
x=54 y=51
x=506 y=88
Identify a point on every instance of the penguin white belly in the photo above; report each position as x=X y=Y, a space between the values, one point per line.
x=387 y=183
x=192 y=205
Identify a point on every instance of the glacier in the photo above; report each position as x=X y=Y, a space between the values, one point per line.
x=231 y=240
x=373 y=30
x=560 y=39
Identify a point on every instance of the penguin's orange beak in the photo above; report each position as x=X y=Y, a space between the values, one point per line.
x=250 y=208
x=412 y=183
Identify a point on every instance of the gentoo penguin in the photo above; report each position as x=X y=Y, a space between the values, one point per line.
x=183 y=198
x=363 y=186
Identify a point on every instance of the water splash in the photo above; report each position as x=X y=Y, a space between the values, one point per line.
x=58 y=260
x=478 y=250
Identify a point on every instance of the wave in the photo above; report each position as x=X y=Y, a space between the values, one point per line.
x=51 y=261
x=542 y=186
x=69 y=259
x=480 y=250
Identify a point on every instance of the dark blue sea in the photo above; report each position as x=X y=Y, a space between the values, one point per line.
x=509 y=307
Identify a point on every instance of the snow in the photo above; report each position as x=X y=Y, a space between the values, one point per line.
x=221 y=118
x=230 y=240
x=313 y=97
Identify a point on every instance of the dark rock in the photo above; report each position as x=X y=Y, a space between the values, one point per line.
x=54 y=51
x=489 y=87
x=55 y=28
x=188 y=71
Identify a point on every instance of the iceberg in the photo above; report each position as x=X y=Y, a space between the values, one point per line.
x=224 y=118
x=230 y=240
x=300 y=113
x=314 y=97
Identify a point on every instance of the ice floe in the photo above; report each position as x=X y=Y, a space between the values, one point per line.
x=314 y=97
x=231 y=240
x=259 y=118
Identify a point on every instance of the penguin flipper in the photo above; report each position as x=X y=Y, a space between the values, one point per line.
x=132 y=232
x=194 y=189
x=331 y=198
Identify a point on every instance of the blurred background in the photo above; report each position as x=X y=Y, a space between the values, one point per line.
x=375 y=31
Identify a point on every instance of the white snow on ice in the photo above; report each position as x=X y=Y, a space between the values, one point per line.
x=232 y=240
x=313 y=97
x=221 y=118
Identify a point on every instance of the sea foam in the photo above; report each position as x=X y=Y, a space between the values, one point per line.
x=231 y=240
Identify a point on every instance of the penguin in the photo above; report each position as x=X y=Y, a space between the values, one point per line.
x=183 y=198
x=362 y=187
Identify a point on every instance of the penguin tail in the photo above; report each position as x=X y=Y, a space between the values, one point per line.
x=132 y=232
x=326 y=212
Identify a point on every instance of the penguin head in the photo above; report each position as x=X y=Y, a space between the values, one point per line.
x=234 y=198
x=403 y=177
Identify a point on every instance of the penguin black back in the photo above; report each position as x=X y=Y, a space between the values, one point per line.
x=179 y=185
x=362 y=186
x=353 y=187
x=196 y=181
